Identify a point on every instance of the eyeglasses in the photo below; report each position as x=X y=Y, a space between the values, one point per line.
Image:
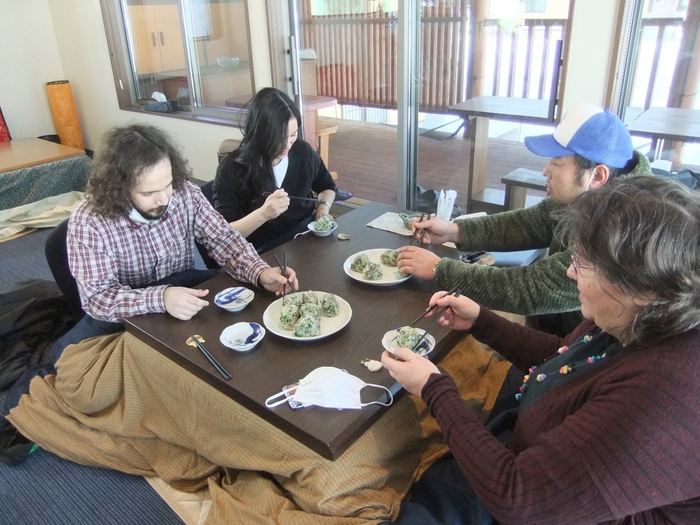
x=576 y=263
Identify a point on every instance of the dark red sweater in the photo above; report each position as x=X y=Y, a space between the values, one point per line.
x=619 y=442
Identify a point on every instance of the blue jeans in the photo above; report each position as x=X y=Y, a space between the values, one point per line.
x=443 y=496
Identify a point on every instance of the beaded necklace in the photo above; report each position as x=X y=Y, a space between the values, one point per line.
x=534 y=377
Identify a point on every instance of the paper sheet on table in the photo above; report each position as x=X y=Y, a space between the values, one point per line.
x=392 y=222
x=446 y=202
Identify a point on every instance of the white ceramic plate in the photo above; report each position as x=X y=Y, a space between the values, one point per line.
x=234 y=299
x=329 y=325
x=391 y=273
x=426 y=346
x=242 y=336
x=323 y=233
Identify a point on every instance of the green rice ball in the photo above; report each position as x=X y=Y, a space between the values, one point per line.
x=389 y=257
x=359 y=263
x=373 y=272
x=310 y=309
x=307 y=326
x=289 y=316
x=330 y=305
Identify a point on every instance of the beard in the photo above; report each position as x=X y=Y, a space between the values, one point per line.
x=152 y=214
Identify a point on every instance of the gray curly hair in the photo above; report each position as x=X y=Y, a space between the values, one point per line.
x=642 y=233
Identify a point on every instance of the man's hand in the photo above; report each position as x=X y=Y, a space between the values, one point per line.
x=409 y=369
x=273 y=280
x=417 y=261
x=182 y=303
x=437 y=231
x=275 y=204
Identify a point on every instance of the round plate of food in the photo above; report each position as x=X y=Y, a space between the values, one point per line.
x=376 y=267
x=307 y=316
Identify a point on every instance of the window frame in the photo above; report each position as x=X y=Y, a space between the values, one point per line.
x=123 y=70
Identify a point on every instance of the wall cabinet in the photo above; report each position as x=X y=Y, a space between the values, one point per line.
x=157 y=35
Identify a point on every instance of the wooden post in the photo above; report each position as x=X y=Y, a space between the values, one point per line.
x=686 y=73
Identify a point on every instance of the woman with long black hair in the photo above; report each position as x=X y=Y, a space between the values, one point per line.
x=254 y=183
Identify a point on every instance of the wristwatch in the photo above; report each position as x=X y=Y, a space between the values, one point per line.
x=326 y=203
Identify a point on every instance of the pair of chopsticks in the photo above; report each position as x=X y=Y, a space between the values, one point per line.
x=266 y=193
x=454 y=290
x=219 y=367
x=422 y=232
x=457 y=293
x=284 y=270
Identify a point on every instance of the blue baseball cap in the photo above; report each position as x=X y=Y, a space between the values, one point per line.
x=592 y=132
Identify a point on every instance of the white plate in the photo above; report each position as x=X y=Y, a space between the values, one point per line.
x=234 y=299
x=426 y=346
x=242 y=336
x=329 y=325
x=323 y=233
x=391 y=273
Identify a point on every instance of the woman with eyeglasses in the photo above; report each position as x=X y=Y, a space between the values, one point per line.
x=261 y=186
x=607 y=423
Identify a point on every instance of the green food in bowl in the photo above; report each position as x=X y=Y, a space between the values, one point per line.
x=324 y=224
x=409 y=218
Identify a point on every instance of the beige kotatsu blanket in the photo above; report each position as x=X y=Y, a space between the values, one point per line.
x=115 y=402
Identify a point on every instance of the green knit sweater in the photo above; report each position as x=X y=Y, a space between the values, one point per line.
x=540 y=288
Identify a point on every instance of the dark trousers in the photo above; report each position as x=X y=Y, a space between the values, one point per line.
x=89 y=327
x=442 y=496
x=302 y=226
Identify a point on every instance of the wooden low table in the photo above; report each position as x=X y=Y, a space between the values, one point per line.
x=277 y=361
x=24 y=153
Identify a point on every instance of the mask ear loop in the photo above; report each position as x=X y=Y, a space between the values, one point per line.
x=589 y=180
x=391 y=397
x=285 y=394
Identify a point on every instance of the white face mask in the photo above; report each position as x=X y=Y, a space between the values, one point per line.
x=328 y=387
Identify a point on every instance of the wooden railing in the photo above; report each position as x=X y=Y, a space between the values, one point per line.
x=357 y=56
x=659 y=25
x=520 y=61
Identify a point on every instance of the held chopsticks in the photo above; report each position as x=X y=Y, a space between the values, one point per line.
x=422 y=232
x=442 y=312
x=431 y=308
x=266 y=193
x=219 y=367
x=283 y=267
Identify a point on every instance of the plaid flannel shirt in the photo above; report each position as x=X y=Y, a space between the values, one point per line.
x=114 y=260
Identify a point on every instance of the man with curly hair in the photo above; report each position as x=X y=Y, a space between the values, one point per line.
x=131 y=243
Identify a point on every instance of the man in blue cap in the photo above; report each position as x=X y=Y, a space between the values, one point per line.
x=588 y=147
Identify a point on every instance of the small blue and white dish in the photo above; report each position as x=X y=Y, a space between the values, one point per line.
x=234 y=299
x=242 y=336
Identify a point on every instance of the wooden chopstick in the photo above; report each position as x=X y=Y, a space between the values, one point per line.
x=219 y=367
x=431 y=308
x=413 y=237
x=283 y=267
x=427 y=310
x=442 y=312
x=266 y=193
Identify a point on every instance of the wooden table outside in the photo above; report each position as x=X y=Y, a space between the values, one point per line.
x=661 y=124
x=477 y=112
x=277 y=362
x=23 y=153
x=310 y=106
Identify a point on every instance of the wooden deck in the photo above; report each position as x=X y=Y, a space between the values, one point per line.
x=365 y=156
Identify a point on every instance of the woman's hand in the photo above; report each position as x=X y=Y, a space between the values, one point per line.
x=321 y=210
x=461 y=312
x=275 y=204
x=409 y=369
x=437 y=231
x=417 y=261
x=273 y=280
